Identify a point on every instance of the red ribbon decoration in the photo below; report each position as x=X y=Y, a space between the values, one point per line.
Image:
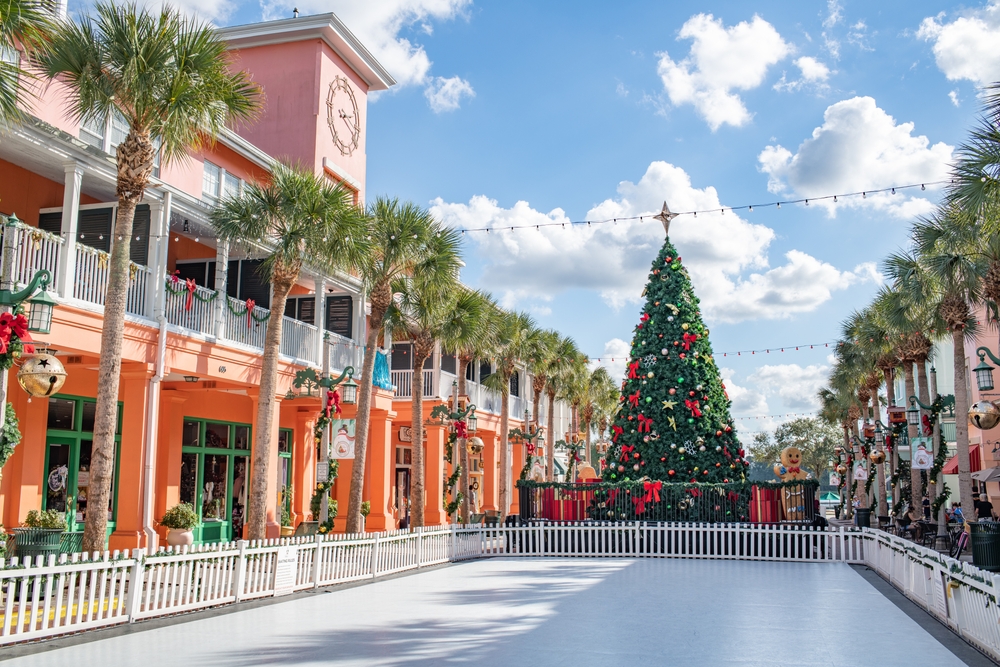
x=652 y=492
x=693 y=407
x=633 y=399
x=191 y=287
x=688 y=339
x=531 y=449
x=633 y=370
x=175 y=277
x=612 y=495
x=644 y=423
x=694 y=493
x=795 y=470
x=14 y=325
x=626 y=450
x=617 y=431
x=332 y=401
x=460 y=431
x=251 y=304
x=928 y=428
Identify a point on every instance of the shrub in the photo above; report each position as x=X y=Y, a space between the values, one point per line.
x=46 y=519
x=366 y=508
x=180 y=517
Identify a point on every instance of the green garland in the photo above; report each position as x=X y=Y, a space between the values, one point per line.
x=317 y=498
x=528 y=460
x=10 y=436
x=183 y=290
x=449 y=455
x=262 y=318
x=531 y=484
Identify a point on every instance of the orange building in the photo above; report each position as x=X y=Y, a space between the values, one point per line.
x=191 y=359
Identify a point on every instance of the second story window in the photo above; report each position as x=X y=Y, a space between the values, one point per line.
x=108 y=133
x=210 y=180
x=231 y=185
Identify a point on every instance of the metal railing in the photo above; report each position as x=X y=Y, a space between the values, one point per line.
x=200 y=317
x=298 y=340
x=34 y=249
x=91 y=285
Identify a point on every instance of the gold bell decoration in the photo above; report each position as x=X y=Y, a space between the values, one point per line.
x=842 y=469
x=877 y=457
x=475 y=445
x=41 y=375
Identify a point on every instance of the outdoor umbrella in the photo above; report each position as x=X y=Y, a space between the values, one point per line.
x=988 y=475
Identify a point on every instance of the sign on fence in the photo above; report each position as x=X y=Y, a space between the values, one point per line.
x=284 y=570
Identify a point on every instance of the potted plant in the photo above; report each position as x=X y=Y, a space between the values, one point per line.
x=179 y=521
x=366 y=509
x=41 y=534
x=287 y=529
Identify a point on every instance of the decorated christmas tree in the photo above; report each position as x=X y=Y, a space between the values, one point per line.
x=673 y=423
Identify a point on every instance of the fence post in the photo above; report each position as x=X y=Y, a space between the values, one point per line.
x=451 y=542
x=843 y=544
x=317 y=560
x=135 y=584
x=375 y=557
x=241 y=569
x=420 y=546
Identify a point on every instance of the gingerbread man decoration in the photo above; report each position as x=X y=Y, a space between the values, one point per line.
x=792 y=496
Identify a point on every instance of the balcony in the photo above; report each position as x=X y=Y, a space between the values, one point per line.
x=485 y=400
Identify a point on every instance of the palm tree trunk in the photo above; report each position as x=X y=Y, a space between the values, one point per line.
x=849 y=476
x=961 y=425
x=587 y=443
x=912 y=431
x=923 y=390
x=363 y=420
x=880 y=468
x=504 y=452
x=890 y=395
x=102 y=458
x=420 y=355
x=463 y=455
x=260 y=474
x=865 y=501
x=550 y=437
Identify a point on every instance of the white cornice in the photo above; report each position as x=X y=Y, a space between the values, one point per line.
x=327 y=27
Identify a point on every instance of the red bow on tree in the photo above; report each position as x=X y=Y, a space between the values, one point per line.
x=251 y=304
x=732 y=496
x=626 y=450
x=652 y=493
x=693 y=407
x=612 y=495
x=633 y=370
x=694 y=492
x=688 y=339
x=644 y=317
x=531 y=449
x=617 y=431
x=191 y=287
x=460 y=431
x=928 y=427
x=725 y=450
x=644 y=423
x=332 y=401
x=633 y=399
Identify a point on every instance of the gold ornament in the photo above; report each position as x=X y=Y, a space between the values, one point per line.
x=685 y=326
x=984 y=415
x=877 y=457
x=842 y=469
x=475 y=445
x=41 y=375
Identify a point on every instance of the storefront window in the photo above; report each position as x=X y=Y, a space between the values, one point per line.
x=285 y=470
x=213 y=477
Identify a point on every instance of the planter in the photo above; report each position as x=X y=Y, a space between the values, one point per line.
x=287 y=531
x=31 y=542
x=179 y=537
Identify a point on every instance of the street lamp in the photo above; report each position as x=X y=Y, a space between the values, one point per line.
x=530 y=436
x=984 y=372
x=913 y=414
x=307 y=380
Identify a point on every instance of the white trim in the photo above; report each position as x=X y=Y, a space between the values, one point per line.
x=341 y=175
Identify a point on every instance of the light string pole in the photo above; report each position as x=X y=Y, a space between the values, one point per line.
x=462 y=421
x=529 y=436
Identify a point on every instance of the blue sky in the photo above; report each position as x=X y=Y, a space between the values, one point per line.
x=516 y=112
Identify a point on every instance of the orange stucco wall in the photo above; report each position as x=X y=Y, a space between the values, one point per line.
x=24 y=192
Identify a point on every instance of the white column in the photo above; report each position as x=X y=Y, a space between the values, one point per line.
x=159 y=243
x=221 y=269
x=70 y=215
x=319 y=318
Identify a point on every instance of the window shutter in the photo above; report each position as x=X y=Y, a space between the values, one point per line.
x=515 y=382
x=233 y=279
x=50 y=222
x=252 y=285
x=138 y=250
x=339 y=312
x=92 y=224
x=402 y=357
x=195 y=270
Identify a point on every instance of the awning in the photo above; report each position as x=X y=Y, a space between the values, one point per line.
x=975 y=462
x=988 y=475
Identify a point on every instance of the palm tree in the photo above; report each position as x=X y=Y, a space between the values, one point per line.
x=599 y=387
x=402 y=242
x=538 y=365
x=421 y=312
x=575 y=392
x=515 y=343
x=467 y=333
x=835 y=410
x=28 y=24
x=171 y=79
x=298 y=217
x=975 y=184
x=559 y=363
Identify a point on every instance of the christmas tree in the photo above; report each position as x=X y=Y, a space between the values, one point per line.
x=673 y=422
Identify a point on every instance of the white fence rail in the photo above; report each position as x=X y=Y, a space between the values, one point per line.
x=298 y=340
x=34 y=249
x=92 y=270
x=201 y=316
x=344 y=352
x=72 y=594
x=403 y=381
x=244 y=328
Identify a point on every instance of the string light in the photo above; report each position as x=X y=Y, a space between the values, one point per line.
x=791 y=348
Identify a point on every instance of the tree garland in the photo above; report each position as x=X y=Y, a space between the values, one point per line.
x=449 y=454
x=316 y=502
x=10 y=435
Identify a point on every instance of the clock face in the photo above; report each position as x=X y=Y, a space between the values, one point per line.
x=342 y=116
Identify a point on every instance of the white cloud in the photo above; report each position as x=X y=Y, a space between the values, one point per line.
x=745 y=402
x=796 y=385
x=380 y=27
x=834 y=13
x=953 y=96
x=859 y=147
x=213 y=11
x=721 y=60
x=614 y=358
x=725 y=254
x=966 y=48
x=814 y=73
x=446 y=94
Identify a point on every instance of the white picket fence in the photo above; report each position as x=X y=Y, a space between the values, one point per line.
x=76 y=593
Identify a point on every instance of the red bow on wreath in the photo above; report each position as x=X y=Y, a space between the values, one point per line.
x=693 y=407
x=531 y=449
x=688 y=339
x=191 y=287
x=14 y=325
x=652 y=493
x=694 y=493
x=460 y=431
x=332 y=401
x=928 y=427
x=633 y=399
x=626 y=450
x=645 y=423
x=633 y=370
x=251 y=304
x=617 y=431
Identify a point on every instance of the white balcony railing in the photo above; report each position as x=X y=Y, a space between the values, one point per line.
x=243 y=327
x=34 y=250
x=344 y=352
x=200 y=317
x=404 y=383
x=298 y=340
x=91 y=285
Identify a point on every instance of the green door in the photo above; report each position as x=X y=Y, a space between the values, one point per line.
x=214 y=463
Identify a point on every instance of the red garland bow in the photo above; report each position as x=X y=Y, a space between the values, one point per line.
x=191 y=287
x=928 y=428
x=531 y=449
x=617 y=430
x=694 y=492
x=693 y=407
x=652 y=492
x=644 y=318
x=332 y=401
x=732 y=496
x=633 y=399
x=633 y=370
x=612 y=495
x=626 y=450
x=251 y=304
x=14 y=325
x=645 y=423
x=688 y=339
x=460 y=431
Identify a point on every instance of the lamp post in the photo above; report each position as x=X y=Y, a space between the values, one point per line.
x=455 y=415
x=935 y=408
x=529 y=436
x=36 y=294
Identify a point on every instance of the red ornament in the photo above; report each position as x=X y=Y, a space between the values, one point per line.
x=667 y=259
x=681 y=355
x=676 y=343
x=635 y=455
x=691 y=393
x=663 y=459
x=718 y=465
x=671 y=391
x=718 y=434
x=670 y=472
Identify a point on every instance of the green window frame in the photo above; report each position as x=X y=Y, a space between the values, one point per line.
x=286 y=444
x=65 y=438
x=215 y=456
